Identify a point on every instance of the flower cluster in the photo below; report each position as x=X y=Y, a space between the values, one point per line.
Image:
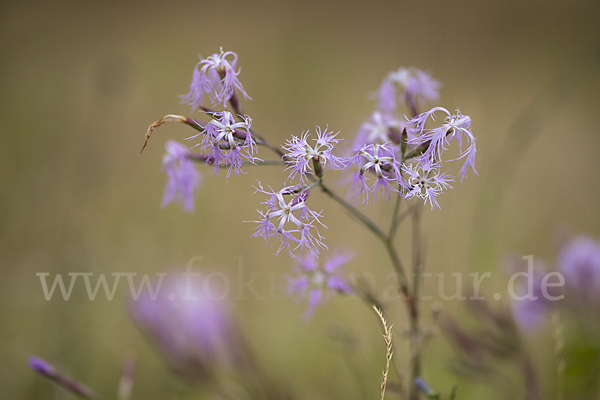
x=223 y=141
x=417 y=147
x=216 y=77
x=391 y=154
x=294 y=213
x=317 y=280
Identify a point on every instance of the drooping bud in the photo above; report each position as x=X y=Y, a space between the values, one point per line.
x=48 y=371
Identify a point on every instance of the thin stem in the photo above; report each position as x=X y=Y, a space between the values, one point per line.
x=418 y=151
x=268 y=145
x=204 y=158
x=415 y=356
x=400 y=271
x=394 y=225
x=354 y=211
x=49 y=372
x=404 y=214
x=265 y=162
x=397 y=264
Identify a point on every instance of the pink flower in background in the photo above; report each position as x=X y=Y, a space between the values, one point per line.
x=531 y=313
x=531 y=308
x=216 y=77
x=579 y=262
x=536 y=293
x=409 y=85
x=316 y=281
x=377 y=130
x=190 y=321
x=183 y=177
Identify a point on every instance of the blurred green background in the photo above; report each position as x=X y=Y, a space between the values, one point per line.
x=82 y=80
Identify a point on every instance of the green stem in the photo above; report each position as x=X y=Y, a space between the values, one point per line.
x=415 y=334
x=265 y=162
x=395 y=219
x=268 y=145
x=397 y=264
x=203 y=158
x=400 y=271
x=354 y=211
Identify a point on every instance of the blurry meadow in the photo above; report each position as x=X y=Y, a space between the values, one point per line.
x=81 y=82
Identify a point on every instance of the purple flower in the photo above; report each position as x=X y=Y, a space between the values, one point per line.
x=225 y=142
x=579 y=262
x=410 y=85
x=189 y=320
x=380 y=160
x=425 y=181
x=456 y=127
x=301 y=153
x=529 y=313
x=183 y=178
x=316 y=281
x=377 y=130
x=215 y=76
x=294 y=213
